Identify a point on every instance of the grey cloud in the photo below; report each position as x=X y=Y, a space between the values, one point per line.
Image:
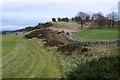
x=28 y=13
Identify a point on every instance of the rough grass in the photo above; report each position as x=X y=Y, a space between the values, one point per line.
x=61 y=37
x=98 y=34
x=27 y=59
x=67 y=26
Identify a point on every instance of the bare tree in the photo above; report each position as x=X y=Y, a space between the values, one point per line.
x=82 y=18
x=113 y=17
x=59 y=19
x=100 y=19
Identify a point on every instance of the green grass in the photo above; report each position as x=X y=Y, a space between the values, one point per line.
x=27 y=59
x=98 y=34
x=8 y=43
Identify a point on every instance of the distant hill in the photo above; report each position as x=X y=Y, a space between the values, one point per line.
x=59 y=26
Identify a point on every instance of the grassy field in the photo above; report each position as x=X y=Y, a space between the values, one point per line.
x=27 y=58
x=24 y=58
x=98 y=34
x=9 y=42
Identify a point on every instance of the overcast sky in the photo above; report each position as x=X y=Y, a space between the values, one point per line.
x=16 y=15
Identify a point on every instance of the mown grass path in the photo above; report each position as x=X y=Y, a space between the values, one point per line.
x=27 y=59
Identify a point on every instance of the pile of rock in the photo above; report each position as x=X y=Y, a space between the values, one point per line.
x=93 y=43
x=105 y=43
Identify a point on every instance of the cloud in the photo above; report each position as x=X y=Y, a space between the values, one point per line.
x=31 y=13
x=59 y=0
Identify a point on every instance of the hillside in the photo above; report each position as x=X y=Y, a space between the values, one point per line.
x=67 y=26
x=27 y=58
x=48 y=52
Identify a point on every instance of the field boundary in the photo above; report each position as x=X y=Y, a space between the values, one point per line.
x=93 y=43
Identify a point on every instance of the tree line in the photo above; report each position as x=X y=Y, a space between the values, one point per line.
x=97 y=19
x=66 y=19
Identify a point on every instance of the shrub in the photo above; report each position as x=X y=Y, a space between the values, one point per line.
x=39 y=33
x=52 y=43
x=107 y=67
x=69 y=48
x=53 y=19
x=46 y=25
x=33 y=34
